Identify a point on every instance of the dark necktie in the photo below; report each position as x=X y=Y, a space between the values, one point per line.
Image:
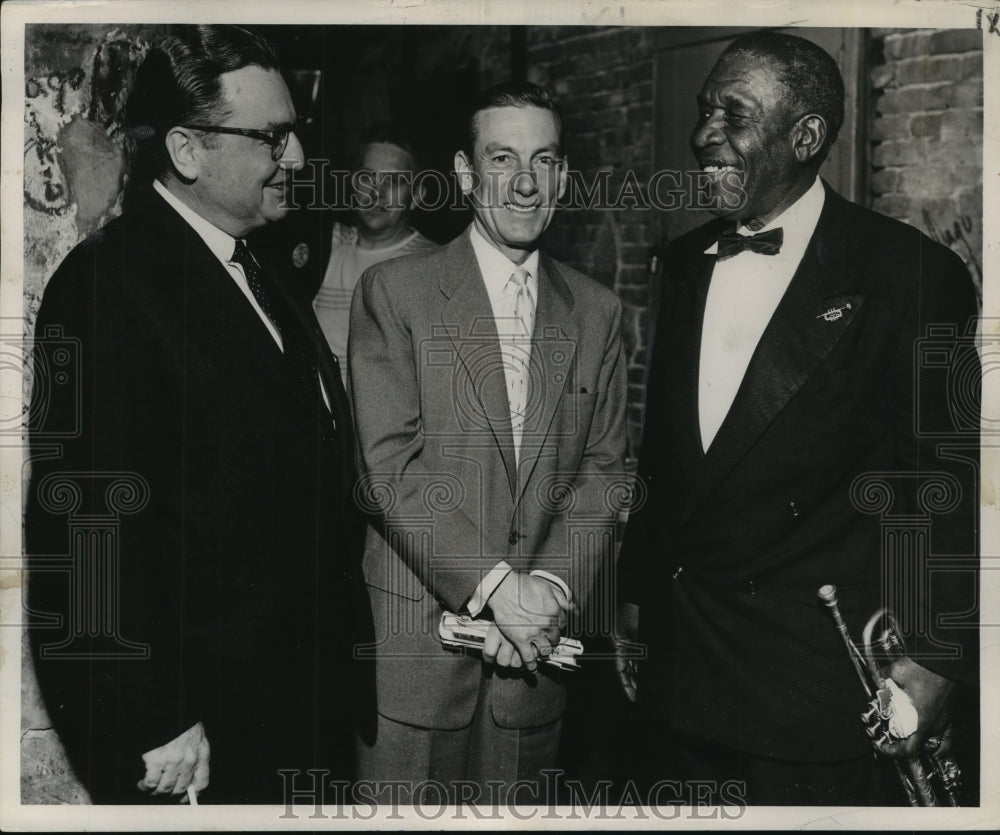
x=766 y=243
x=294 y=342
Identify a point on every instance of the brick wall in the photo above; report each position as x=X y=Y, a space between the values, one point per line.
x=925 y=91
x=925 y=126
x=926 y=131
x=602 y=79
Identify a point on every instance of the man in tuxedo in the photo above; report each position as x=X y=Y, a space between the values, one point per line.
x=784 y=403
x=190 y=519
x=489 y=392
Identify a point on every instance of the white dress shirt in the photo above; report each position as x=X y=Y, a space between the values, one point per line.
x=744 y=292
x=222 y=245
x=497 y=269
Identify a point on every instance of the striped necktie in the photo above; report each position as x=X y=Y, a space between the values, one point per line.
x=517 y=353
x=300 y=358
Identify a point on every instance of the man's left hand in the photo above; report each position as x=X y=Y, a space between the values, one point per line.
x=498 y=650
x=930 y=694
x=530 y=613
x=182 y=762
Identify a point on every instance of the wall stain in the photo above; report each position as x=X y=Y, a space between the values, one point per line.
x=953 y=234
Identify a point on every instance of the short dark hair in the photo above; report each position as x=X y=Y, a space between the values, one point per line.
x=178 y=83
x=509 y=94
x=387 y=133
x=808 y=72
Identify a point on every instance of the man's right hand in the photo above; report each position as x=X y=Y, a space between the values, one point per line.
x=182 y=762
x=530 y=612
x=626 y=637
x=930 y=695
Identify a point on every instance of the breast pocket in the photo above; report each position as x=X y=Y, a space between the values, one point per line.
x=575 y=415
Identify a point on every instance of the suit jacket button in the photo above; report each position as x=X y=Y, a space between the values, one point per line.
x=793 y=508
x=513 y=538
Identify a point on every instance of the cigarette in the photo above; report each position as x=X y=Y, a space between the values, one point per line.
x=192 y=796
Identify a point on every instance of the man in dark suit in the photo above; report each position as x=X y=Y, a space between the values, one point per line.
x=489 y=391
x=783 y=401
x=203 y=494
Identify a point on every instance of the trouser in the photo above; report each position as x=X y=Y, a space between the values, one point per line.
x=715 y=773
x=481 y=763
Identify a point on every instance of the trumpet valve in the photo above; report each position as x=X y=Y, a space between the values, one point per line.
x=875 y=729
x=950 y=774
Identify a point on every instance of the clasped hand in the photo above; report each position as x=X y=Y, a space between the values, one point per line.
x=529 y=615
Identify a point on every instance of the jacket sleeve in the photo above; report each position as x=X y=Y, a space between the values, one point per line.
x=639 y=541
x=599 y=486
x=385 y=391
x=938 y=379
x=99 y=558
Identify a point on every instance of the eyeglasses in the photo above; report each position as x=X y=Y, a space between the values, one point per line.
x=277 y=137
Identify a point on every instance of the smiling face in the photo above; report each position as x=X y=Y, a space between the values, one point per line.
x=747 y=129
x=515 y=176
x=383 y=190
x=238 y=187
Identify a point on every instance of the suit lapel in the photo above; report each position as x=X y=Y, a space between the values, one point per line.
x=329 y=373
x=553 y=351
x=468 y=321
x=216 y=301
x=684 y=351
x=819 y=305
x=671 y=425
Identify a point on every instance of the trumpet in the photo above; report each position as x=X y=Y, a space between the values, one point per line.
x=890 y=713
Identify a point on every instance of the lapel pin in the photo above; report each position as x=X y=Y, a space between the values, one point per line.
x=834 y=313
x=300 y=255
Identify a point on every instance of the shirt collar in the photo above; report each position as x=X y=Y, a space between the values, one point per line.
x=798 y=221
x=497 y=268
x=221 y=243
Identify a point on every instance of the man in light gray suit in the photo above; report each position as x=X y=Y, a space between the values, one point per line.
x=489 y=392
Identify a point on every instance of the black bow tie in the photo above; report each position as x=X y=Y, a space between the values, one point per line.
x=766 y=243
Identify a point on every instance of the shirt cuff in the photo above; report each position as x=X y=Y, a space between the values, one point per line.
x=487 y=586
x=556 y=580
